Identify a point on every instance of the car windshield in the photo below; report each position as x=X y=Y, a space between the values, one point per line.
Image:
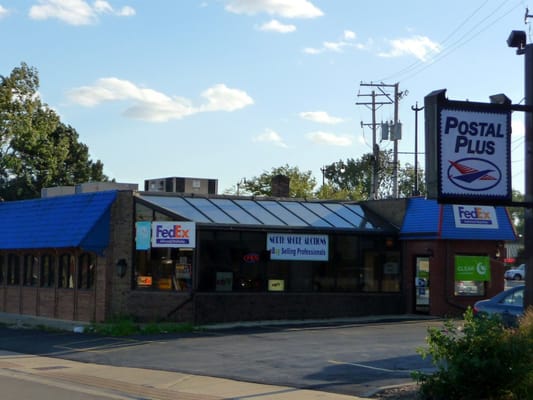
x=515 y=298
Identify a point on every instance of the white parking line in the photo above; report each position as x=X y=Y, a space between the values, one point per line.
x=369 y=367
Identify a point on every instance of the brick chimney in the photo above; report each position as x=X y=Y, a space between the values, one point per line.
x=280 y=186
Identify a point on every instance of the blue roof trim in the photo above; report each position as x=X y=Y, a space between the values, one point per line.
x=426 y=219
x=80 y=220
x=421 y=219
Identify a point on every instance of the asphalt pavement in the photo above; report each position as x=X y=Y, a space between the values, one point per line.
x=275 y=360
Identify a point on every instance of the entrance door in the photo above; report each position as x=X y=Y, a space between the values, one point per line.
x=422 y=284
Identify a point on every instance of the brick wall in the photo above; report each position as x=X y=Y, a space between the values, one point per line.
x=226 y=307
x=116 y=289
x=443 y=302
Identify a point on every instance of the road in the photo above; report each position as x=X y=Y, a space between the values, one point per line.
x=355 y=359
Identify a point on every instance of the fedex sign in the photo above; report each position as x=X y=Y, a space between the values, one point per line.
x=483 y=217
x=173 y=234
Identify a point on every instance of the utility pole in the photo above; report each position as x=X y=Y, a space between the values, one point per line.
x=375 y=105
x=416 y=110
x=395 y=139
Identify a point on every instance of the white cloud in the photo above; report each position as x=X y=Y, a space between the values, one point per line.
x=312 y=50
x=3 y=11
x=151 y=105
x=75 y=12
x=270 y=136
x=320 y=117
x=276 y=26
x=330 y=139
x=222 y=98
x=126 y=11
x=101 y=7
x=283 y=8
x=349 y=35
x=419 y=46
x=347 y=40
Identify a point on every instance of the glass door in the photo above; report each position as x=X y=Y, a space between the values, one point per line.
x=422 y=284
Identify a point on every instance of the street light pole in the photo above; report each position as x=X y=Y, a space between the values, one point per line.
x=416 y=110
x=517 y=39
x=528 y=218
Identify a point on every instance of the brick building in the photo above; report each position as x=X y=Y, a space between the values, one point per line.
x=204 y=258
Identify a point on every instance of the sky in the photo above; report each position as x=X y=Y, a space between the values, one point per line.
x=230 y=89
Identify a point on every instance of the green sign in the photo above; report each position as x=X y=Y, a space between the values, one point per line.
x=472 y=268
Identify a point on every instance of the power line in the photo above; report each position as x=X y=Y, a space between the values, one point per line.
x=419 y=66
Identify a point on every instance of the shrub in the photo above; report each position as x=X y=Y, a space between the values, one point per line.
x=483 y=359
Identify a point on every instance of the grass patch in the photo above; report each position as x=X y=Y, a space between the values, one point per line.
x=127 y=326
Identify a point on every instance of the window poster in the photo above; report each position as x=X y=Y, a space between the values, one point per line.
x=143 y=235
x=302 y=247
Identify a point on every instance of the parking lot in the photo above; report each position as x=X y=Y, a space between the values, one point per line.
x=349 y=357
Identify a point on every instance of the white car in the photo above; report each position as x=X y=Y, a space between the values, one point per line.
x=516 y=274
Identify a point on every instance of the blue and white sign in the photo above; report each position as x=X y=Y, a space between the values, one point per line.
x=287 y=246
x=474 y=153
x=142 y=235
x=481 y=217
x=173 y=234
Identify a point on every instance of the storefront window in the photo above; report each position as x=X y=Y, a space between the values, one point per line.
x=143 y=213
x=471 y=273
x=13 y=269
x=66 y=271
x=47 y=271
x=469 y=288
x=31 y=270
x=238 y=261
x=86 y=271
x=164 y=269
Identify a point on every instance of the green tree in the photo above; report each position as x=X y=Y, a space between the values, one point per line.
x=36 y=149
x=406 y=181
x=517 y=214
x=301 y=183
x=352 y=179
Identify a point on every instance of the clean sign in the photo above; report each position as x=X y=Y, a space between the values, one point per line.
x=472 y=268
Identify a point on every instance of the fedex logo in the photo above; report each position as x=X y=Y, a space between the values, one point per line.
x=173 y=234
x=476 y=213
x=475 y=217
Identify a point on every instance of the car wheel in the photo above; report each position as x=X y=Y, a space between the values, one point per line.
x=517 y=277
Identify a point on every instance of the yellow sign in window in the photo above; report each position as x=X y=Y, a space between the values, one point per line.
x=276 y=285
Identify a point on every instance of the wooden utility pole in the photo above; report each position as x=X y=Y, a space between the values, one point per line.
x=395 y=140
x=375 y=105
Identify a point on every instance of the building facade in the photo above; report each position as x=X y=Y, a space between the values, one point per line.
x=204 y=259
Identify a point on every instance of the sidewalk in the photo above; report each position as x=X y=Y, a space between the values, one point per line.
x=147 y=384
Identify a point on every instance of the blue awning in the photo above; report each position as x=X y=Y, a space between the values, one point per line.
x=426 y=219
x=80 y=220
